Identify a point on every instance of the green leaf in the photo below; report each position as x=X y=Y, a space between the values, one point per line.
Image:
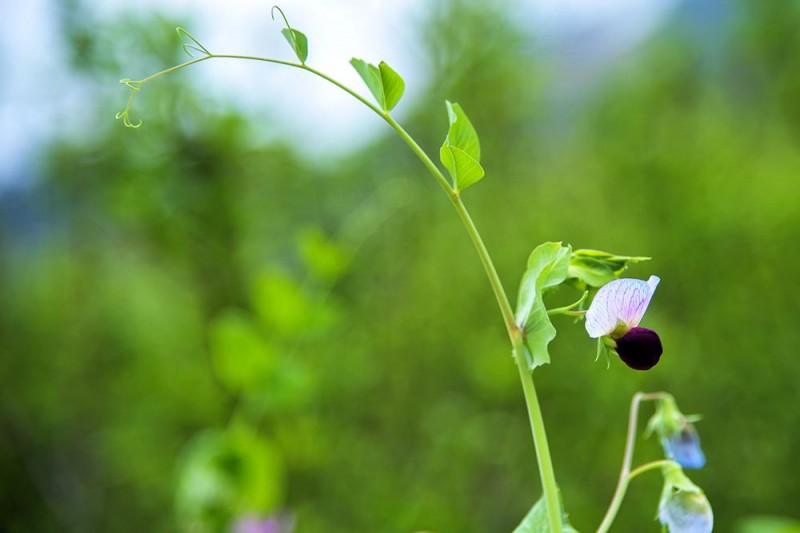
x=461 y=133
x=593 y=268
x=281 y=304
x=243 y=361
x=547 y=268
x=463 y=168
x=326 y=260
x=461 y=151
x=298 y=41
x=536 y=520
x=383 y=82
x=371 y=76
x=393 y=86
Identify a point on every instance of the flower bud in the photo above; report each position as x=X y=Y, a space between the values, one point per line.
x=684 y=507
x=677 y=434
x=687 y=512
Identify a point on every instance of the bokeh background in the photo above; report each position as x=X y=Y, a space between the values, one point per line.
x=260 y=303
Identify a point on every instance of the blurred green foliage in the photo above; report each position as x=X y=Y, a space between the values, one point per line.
x=198 y=325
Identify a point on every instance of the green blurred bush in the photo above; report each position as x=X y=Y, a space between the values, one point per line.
x=389 y=400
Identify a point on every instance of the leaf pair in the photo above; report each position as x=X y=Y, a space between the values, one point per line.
x=461 y=151
x=383 y=82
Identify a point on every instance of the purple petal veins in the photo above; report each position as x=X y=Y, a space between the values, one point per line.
x=622 y=301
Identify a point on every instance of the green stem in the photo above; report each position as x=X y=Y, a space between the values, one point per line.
x=625 y=474
x=547 y=475
x=652 y=465
x=543 y=458
x=469 y=225
x=546 y=471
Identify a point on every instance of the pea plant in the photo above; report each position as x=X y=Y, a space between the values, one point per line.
x=611 y=306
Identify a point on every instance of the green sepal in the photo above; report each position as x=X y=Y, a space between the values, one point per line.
x=593 y=268
x=536 y=521
x=668 y=418
x=546 y=269
x=676 y=480
x=604 y=349
x=385 y=84
x=298 y=41
x=461 y=151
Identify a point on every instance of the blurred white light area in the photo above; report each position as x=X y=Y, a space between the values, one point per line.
x=30 y=59
x=291 y=104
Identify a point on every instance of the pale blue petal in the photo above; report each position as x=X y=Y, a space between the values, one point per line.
x=687 y=512
x=684 y=448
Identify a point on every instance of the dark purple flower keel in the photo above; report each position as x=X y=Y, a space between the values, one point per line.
x=640 y=348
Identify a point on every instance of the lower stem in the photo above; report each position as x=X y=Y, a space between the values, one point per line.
x=543 y=458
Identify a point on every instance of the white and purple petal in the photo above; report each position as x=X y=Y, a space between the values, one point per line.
x=619 y=302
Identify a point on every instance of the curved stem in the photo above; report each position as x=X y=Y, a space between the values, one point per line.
x=547 y=475
x=652 y=465
x=469 y=225
x=625 y=474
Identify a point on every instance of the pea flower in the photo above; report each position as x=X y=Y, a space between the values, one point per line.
x=614 y=317
x=677 y=434
x=687 y=512
x=684 y=507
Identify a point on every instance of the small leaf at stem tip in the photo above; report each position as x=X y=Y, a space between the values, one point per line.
x=298 y=41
